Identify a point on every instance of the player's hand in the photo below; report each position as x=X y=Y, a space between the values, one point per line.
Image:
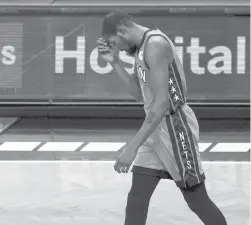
x=107 y=52
x=125 y=160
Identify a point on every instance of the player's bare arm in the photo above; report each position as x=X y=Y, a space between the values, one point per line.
x=158 y=57
x=131 y=80
x=110 y=53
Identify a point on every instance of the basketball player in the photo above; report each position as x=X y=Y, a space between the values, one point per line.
x=166 y=146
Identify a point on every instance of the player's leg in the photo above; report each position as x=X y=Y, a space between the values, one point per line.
x=146 y=173
x=179 y=137
x=147 y=170
x=200 y=203
x=139 y=197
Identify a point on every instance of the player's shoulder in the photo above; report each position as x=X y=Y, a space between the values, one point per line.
x=156 y=36
x=158 y=48
x=158 y=41
x=159 y=44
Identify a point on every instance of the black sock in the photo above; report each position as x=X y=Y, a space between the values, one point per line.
x=200 y=203
x=139 y=197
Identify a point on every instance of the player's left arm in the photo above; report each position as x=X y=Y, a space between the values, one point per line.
x=158 y=56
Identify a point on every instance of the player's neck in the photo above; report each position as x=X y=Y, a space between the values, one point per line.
x=139 y=32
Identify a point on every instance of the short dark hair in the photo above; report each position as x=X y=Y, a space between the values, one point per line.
x=113 y=20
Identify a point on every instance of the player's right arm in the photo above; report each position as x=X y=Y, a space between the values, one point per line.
x=131 y=81
x=111 y=55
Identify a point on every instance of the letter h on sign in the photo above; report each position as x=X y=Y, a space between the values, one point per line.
x=61 y=54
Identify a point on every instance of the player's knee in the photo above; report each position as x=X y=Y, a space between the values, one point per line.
x=194 y=196
x=140 y=192
x=137 y=199
x=135 y=196
x=194 y=207
x=192 y=202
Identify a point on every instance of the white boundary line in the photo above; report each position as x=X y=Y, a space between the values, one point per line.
x=56 y=146
x=112 y=161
